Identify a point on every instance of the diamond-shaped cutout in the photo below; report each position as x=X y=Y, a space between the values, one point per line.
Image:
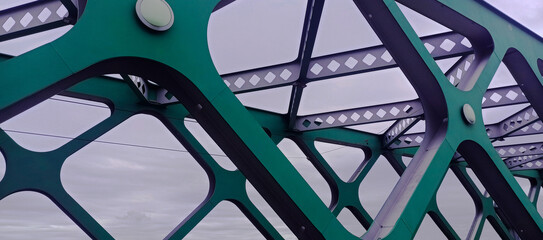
x=285 y=75
x=408 y=140
x=333 y=66
x=502 y=151
x=529 y=164
x=351 y=62
x=466 y=43
x=419 y=139
x=447 y=45
x=254 y=80
x=386 y=56
x=525 y=129
x=511 y=95
x=355 y=116
x=512 y=150
x=538 y=163
x=316 y=69
x=381 y=113
x=496 y=97
x=429 y=47
x=368 y=115
x=536 y=126
x=62 y=11
x=269 y=77
x=452 y=79
x=512 y=123
x=318 y=121
x=239 y=82
x=27 y=18
x=342 y=118
x=467 y=65
x=306 y=123
x=459 y=74
x=8 y=24
x=526 y=116
x=330 y=120
x=522 y=149
x=227 y=83
x=407 y=109
x=394 y=111
x=44 y=14
x=369 y=59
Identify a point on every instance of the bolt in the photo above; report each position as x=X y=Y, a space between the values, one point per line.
x=468 y=114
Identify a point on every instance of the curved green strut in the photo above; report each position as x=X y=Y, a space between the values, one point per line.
x=166 y=42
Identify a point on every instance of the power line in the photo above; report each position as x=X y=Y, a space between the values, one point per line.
x=128 y=144
x=125 y=144
x=108 y=142
x=79 y=103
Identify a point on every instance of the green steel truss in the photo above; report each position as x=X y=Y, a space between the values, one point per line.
x=107 y=37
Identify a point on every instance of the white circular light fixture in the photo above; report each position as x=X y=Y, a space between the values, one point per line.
x=155 y=14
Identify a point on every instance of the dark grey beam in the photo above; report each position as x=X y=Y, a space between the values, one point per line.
x=462 y=68
x=514 y=162
x=339 y=64
x=309 y=35
x=142 y=88
x=398 y=129
x=503 y=96
x=262 y=78
x=519 y=121
x=223 y=3
x=530 y=129
x=533 y=164
x=455 y=74
x=520 y=150
x=408 y=140
x=445 y=45
x=32 y=18
x=414 y=140
x=378 y=113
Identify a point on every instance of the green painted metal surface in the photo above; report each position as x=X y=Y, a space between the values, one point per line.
x=108 y=38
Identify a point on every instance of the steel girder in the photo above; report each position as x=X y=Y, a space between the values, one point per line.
x=178 y=61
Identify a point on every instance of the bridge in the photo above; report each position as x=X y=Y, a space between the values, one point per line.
x=431 y=97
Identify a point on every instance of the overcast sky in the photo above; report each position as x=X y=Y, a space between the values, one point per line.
x=139 y=182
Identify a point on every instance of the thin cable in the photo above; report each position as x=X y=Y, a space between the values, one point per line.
x=325 y=152
x=108 y=142
x=118 y=143
x=79 y=103
x=127 y=144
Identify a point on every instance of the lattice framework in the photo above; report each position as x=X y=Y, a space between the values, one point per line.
x=187 y=85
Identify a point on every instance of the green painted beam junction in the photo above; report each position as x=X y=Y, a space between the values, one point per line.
x=160 y=48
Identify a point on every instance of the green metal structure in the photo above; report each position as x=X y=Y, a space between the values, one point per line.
x=169 y=73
